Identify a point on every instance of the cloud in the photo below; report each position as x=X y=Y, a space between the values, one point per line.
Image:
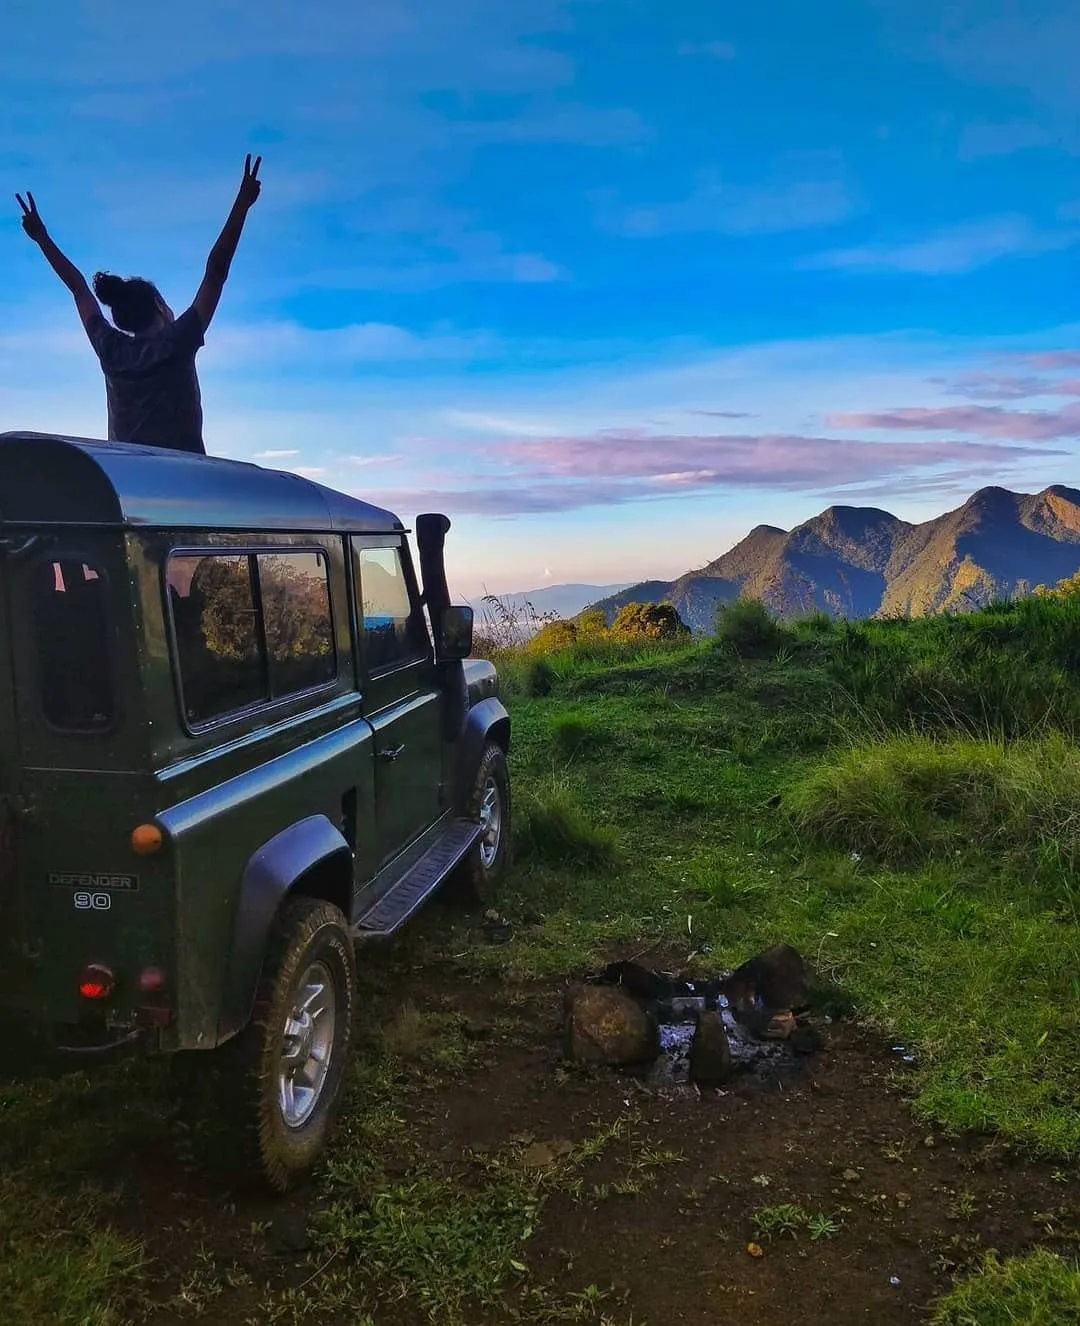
x=803 y=191
x=721 y=414
x=950 y=252
x=1003 y=387
x=274 y=455
x=1053 y=359
x=567 y=122
x=999 y=140
x=374 y=460
x=715 y=50
x=291 y=344
x=573 y=473
x=990 y=421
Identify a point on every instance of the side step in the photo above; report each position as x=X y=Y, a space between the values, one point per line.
x=398 y=903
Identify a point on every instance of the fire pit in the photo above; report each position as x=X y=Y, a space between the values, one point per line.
x=671 y=1031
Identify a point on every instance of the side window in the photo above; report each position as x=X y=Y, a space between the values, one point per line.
x=217 y=635
x=295 y=593
x=74 y=669
x=249 y=627
x=393 y=628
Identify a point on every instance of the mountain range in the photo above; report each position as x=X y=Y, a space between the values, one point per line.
x=852 y=561
x=563 y=600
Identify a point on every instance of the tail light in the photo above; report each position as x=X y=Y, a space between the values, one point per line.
x=97 y=981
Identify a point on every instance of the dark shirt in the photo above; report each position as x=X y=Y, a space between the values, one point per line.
x=151 y=384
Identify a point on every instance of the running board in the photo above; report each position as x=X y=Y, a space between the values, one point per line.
x=398 y=903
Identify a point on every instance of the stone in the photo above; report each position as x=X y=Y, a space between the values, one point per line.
x=780 y=1026
x=710 y=1053
x=774 y=981
x=605 y=1026
x=541 y=1155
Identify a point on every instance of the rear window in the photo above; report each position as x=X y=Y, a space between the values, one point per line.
x=249 y=628
x=73 y=663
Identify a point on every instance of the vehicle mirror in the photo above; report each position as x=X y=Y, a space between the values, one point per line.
x=456 y=635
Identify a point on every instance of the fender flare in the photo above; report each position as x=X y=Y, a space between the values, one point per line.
x=270 y=875
x=485 y=721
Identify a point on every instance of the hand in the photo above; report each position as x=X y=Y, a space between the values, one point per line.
x=250 y=184
x=31 y=220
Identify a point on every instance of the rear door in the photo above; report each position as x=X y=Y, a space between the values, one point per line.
x=401 y=699
x=13 y=974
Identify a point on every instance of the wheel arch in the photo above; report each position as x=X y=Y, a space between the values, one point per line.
x=487 y=721
x=310 y=859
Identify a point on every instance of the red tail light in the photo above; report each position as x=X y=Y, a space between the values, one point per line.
x=97 y=981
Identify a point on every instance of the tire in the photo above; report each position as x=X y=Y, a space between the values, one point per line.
x=488 y=861
x=288 y=1110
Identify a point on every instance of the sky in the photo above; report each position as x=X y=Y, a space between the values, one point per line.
x=608 y=281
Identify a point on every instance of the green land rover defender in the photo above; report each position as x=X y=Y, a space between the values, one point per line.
x=236 y=738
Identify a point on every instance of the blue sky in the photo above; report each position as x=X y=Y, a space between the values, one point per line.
x=610 y=281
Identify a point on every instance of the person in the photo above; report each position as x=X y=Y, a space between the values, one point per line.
x=148 y=357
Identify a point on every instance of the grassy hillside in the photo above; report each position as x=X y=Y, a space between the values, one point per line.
x=899 y=799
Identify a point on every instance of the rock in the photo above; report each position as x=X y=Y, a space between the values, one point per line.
x=540 y=1155
x=780 y=1026
x=775 y=980
x=710 y=1053
x=642 y=982
x=605 y=1026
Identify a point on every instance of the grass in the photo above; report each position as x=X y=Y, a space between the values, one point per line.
x=899 y=800
x=1041 y=1289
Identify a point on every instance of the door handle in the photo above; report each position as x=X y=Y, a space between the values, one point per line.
x=389 y=754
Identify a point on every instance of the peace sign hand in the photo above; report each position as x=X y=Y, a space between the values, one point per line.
x=250 y=184
x=31 y=220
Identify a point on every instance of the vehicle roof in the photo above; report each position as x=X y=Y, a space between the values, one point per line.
x=48 y=479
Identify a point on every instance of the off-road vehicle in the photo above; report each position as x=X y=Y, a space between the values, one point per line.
x=235 y=739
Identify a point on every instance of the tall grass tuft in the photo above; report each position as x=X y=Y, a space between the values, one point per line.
x=552 y=829
x=911 y=796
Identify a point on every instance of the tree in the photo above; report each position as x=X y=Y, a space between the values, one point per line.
x=653 y=621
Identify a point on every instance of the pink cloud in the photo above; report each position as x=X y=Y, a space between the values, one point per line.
x=1054 y=359
x=610 y=468
x=1003 y=387
x=978 y=420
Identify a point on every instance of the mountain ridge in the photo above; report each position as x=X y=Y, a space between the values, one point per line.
x=852 y=561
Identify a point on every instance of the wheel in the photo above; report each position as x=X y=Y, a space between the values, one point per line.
x=294 y=1051
x=489 y=802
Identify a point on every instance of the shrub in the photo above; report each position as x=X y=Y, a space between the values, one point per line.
x=1040 y=1289
x=749 y=628
x=651 y=621
x=592 y=624
x=527 y=675
x=552 y=637
x=552 y=829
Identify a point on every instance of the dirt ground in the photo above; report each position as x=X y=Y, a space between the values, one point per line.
x=910 y=1207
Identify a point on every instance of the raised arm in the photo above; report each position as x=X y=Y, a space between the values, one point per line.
x=221 y=255
x=65 y=269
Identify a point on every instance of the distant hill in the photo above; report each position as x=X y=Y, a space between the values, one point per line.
x=564 y=600
x=854 y=561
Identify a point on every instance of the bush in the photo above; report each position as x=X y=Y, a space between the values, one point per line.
x=1041 y=1289
x=553 y=637
x=909 y=797
x=749 y=628
x=529 y=676
x=651 y=621
x=592 y=624
x=552 y=829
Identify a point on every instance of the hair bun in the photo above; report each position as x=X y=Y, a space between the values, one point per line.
x=108 y=288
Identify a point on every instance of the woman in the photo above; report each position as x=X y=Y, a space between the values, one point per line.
x=148 y=357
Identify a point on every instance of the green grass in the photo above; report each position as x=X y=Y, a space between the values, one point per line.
x=1041 y=1289
x=899 y=800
